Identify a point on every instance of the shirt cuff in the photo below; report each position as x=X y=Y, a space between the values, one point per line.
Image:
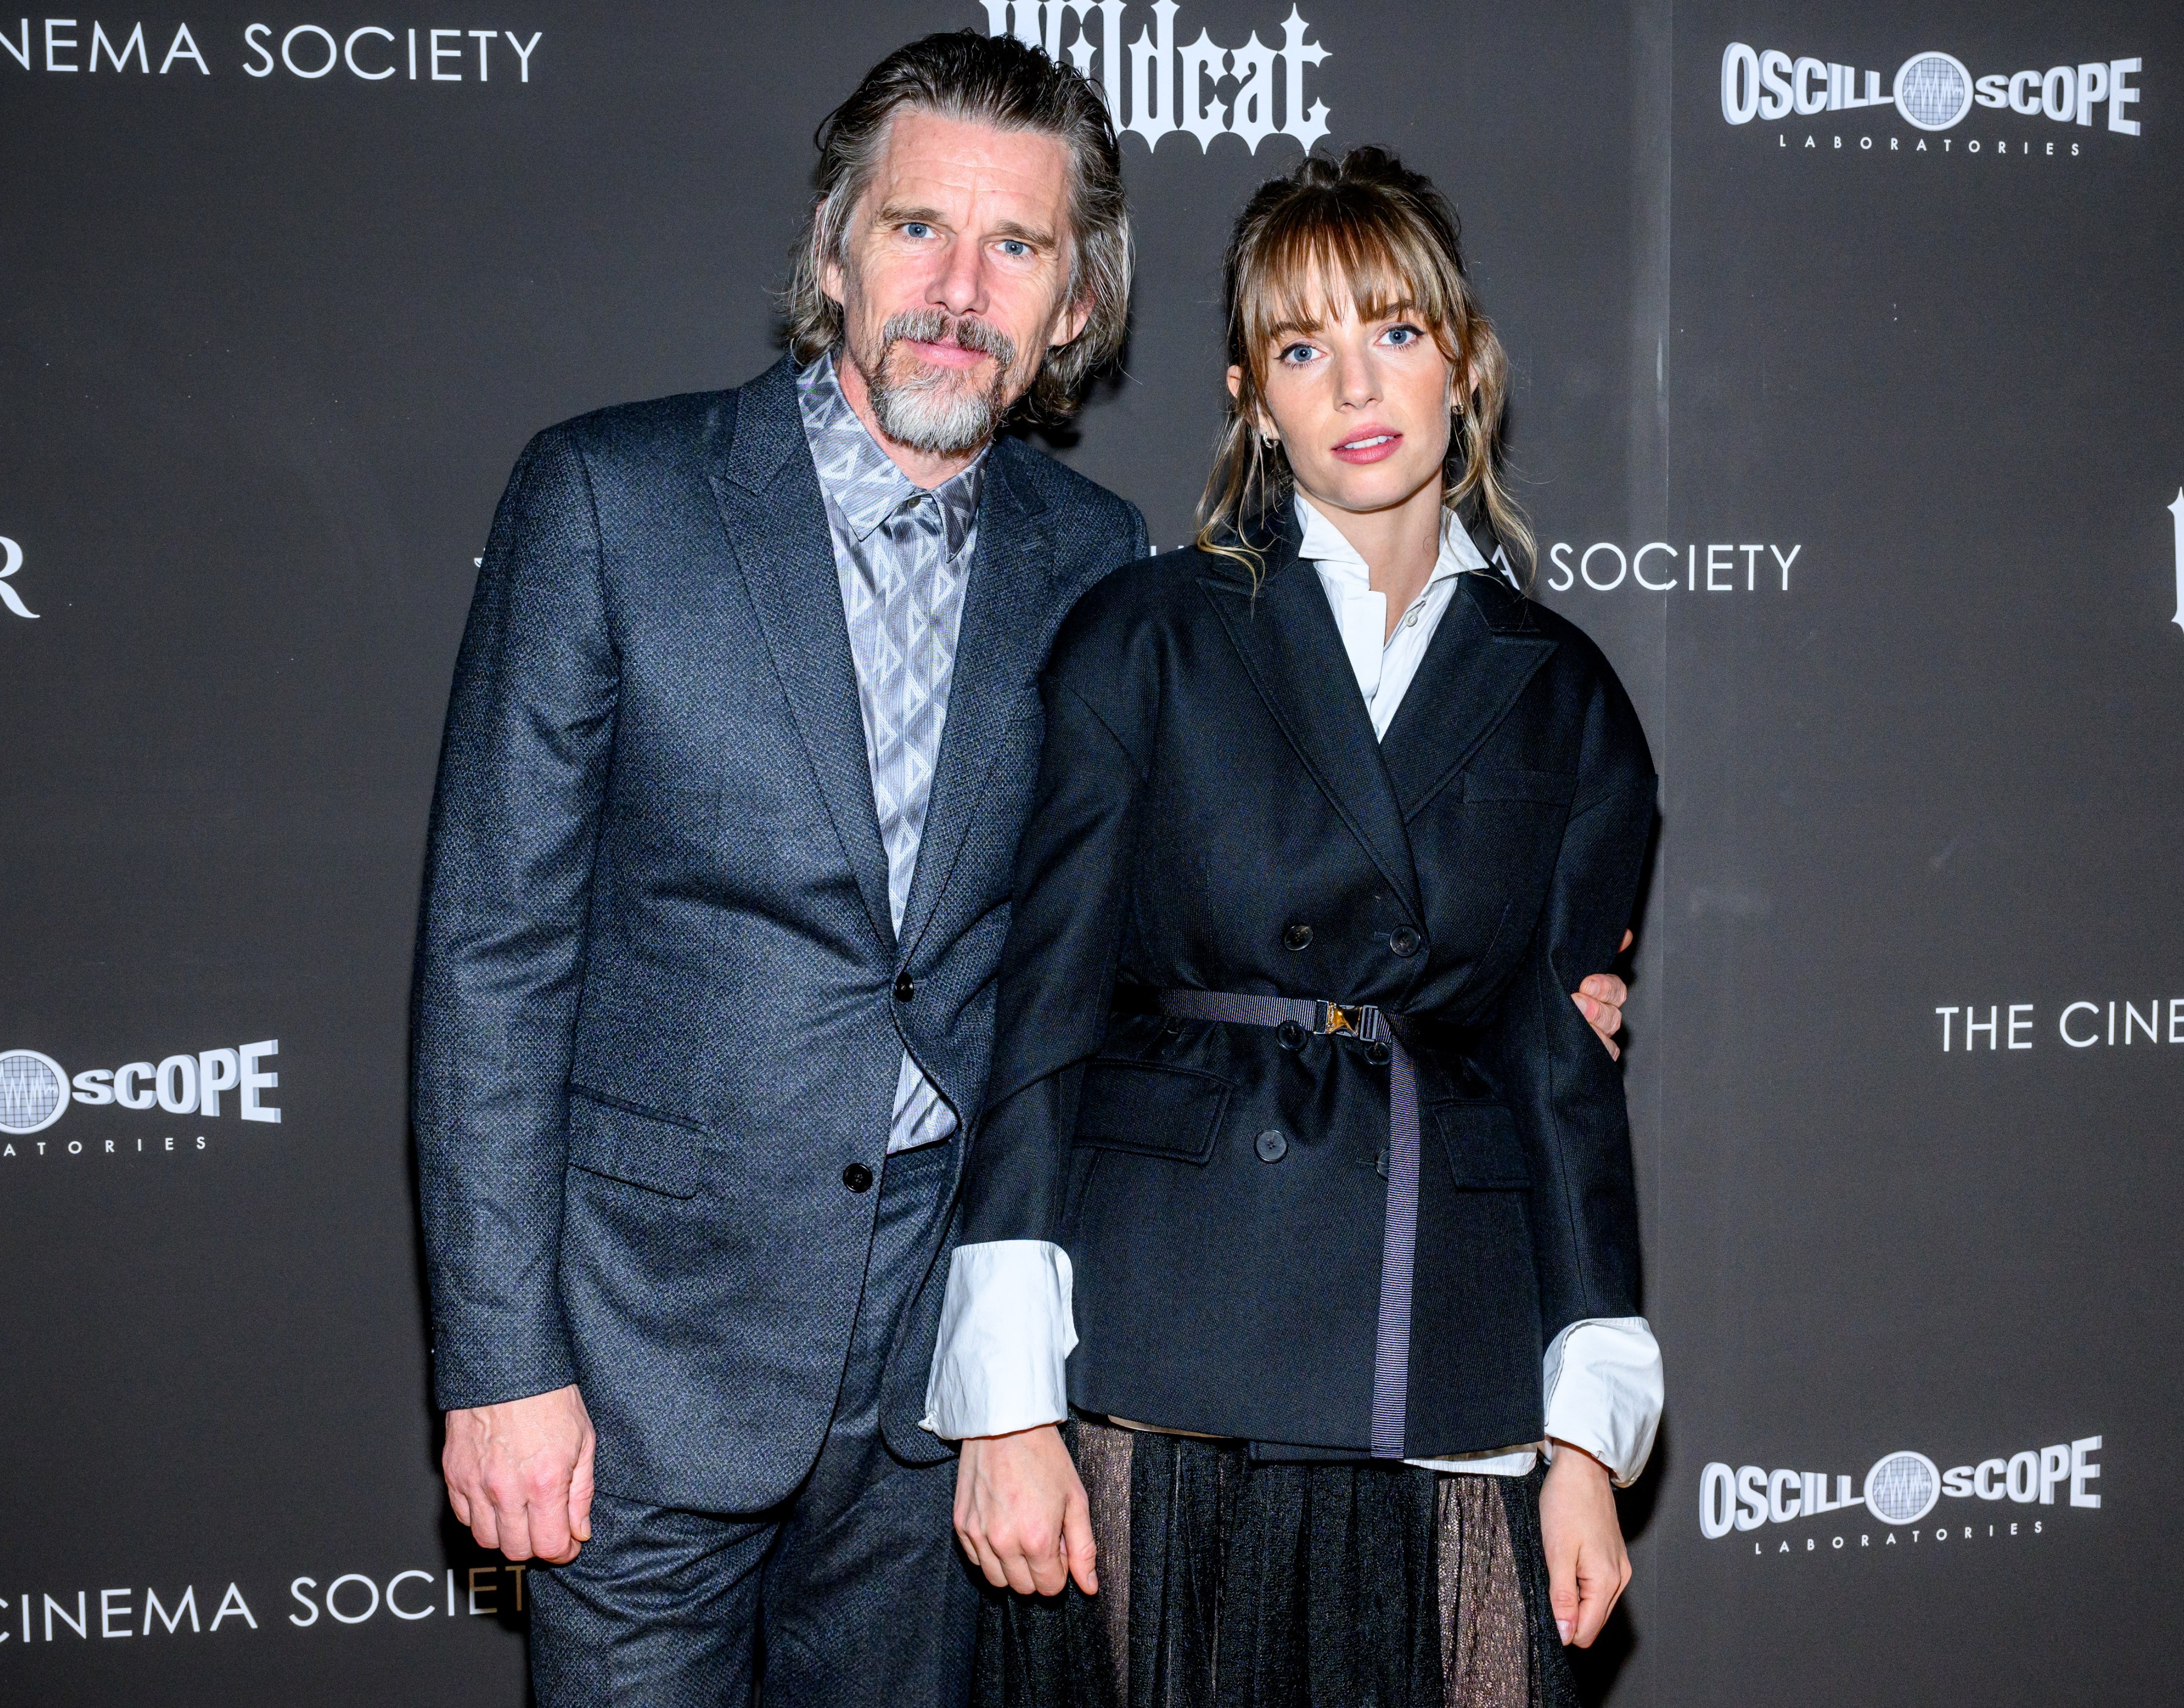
x=1604 y=1391
x=1006 y=1331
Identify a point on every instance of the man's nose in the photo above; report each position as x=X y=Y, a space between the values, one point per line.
x=959 y=284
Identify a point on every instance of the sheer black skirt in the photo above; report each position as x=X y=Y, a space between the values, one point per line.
x=1226 y=1584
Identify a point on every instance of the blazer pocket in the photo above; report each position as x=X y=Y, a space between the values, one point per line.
x=1555 y=788
x=633 y=1146
x=1484 y=1153
x=1152 y=1110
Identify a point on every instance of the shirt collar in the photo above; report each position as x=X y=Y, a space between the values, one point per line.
x=862 y=480
x=1324 y=545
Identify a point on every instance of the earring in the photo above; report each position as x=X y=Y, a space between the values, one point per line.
x=1268 y=440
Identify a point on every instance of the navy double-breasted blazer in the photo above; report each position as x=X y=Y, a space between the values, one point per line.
x=1213 y=814
x=656 y=1013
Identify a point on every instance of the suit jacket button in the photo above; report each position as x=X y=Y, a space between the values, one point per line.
x=1379 y=1054
x=905 y=987
x=1271 y=1145
x=857 y=1178
x=1403 y=941
x=1296 y=936
x=1291 y=1034
x=1380 y=1163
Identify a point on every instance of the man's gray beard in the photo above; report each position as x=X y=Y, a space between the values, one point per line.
x=934 y=410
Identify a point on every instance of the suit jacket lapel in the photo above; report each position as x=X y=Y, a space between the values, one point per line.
x=777 y=523
x=1008 y=609
x=1485 y=650
x=1293 y=651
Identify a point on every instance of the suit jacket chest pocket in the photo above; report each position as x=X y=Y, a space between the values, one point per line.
x=1502 y=837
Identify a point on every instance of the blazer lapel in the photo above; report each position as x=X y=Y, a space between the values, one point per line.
x=1008 y=608
x=1292 y=649
x=777 y=523
x=1485 y=650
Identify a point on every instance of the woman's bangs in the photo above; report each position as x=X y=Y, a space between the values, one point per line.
x=1310 y=268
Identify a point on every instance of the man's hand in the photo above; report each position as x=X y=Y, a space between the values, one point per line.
x=1587 y=1567
x=1600 y=999
x=519 y=1475
x=1021 y=1513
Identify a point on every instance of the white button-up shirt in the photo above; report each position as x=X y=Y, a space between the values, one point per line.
x=1006 y=1326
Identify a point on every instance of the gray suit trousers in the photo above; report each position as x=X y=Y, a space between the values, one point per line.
x=850 y=1592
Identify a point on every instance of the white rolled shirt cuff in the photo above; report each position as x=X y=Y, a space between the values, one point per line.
x=1604 y=1393
x=1006 y=1331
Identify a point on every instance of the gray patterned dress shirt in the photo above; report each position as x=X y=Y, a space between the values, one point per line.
x=903 y=554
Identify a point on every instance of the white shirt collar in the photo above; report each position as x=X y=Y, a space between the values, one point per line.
x=1323 y=544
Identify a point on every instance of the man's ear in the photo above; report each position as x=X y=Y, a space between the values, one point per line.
x=1069 y=323
x=830 y=280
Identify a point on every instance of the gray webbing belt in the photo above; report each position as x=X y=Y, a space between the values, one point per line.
x=1391 y=1350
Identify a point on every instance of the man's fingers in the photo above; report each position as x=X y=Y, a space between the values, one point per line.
x=1606 y=988
x=1078 y=1545
x=580 y=1493
x=460 y=1503
x=546 y=1518
x=1628 y=938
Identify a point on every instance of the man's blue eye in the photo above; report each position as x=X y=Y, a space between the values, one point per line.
x=1014 y=248
x=915 y=228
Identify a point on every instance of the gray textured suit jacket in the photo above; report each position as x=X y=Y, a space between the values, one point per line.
x=660 y=1005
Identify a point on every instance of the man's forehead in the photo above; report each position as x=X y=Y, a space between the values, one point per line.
x=931 y=154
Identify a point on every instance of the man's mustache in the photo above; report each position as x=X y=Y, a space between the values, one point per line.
x=938 y=326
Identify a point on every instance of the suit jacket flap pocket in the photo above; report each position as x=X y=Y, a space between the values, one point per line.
x=633 y=1147
x=1154 y=1110
x=1482 y=1145
x=1557 y=788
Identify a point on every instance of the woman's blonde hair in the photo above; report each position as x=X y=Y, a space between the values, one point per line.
x=1368 y=224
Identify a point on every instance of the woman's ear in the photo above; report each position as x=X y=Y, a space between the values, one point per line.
x=1235 y=382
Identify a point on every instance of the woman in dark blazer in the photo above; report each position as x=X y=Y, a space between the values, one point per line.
x=1302 y=1191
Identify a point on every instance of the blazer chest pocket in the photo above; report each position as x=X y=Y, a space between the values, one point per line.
x=629 y=1144
x=1480 y=1138
x=1152 y=1110
x=1549 y=788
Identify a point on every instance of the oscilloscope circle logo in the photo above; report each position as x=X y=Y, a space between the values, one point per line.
x=1933 y=90
x=1903 y=1488
x=34 y=1092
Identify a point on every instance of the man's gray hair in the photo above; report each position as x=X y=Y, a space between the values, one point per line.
x=995 y=80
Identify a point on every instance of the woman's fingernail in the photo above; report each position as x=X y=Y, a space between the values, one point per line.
x=1565 y=1627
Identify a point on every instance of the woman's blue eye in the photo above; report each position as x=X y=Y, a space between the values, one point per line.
x=1401 y=335
x=1297 y=354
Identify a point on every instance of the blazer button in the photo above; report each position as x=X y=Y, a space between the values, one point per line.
x=1271 y=1145
x=1296 y=936
x=905 y=987
x=1379 y=1053
x=1403 y=941
x=1380 y=1162
x=857 y=1178
x=1290 y=1034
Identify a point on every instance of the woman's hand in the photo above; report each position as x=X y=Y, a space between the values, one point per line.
x=1021 y=1515
x=1587 y=1567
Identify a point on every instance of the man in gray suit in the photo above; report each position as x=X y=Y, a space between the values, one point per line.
x=743 y=729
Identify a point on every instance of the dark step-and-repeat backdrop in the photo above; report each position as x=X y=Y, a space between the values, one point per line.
x=1849 y=403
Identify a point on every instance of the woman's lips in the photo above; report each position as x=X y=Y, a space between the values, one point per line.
x=1376 y=445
